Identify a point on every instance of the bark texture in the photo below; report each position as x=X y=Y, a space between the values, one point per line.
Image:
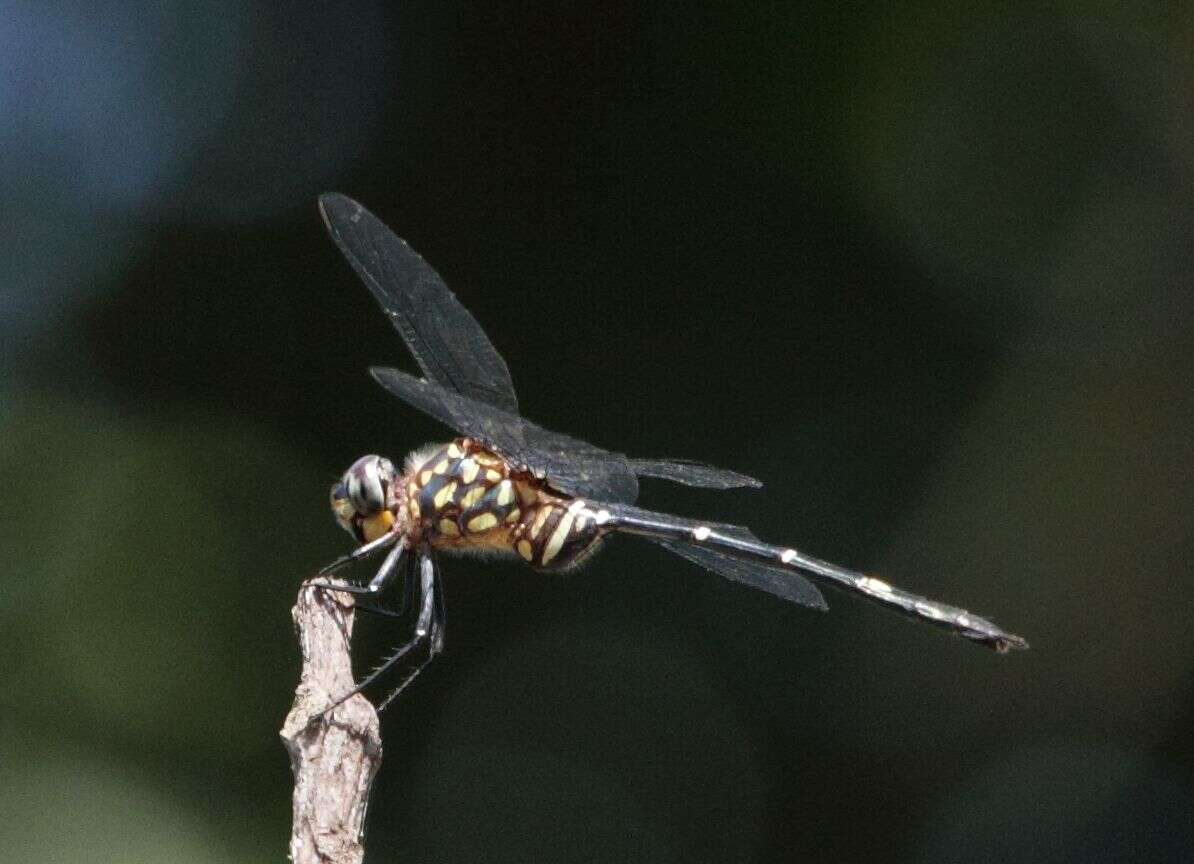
x=334 y=757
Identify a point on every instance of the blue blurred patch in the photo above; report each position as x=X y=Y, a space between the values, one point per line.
x=116 y=116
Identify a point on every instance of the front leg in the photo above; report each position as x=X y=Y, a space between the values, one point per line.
x=430 y=627
x=358 y=554
x=409 y=586
x=378 y=583
x=427 y=627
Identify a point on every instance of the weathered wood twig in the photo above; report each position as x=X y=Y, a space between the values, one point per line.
x=334 y=757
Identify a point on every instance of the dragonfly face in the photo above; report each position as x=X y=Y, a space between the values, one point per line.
x=363 y=499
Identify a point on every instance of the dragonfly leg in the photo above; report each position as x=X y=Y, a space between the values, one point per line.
x=428 y=629
x=439 y=614
x=435 y=635
x=409 y=584
x=378 y=583
x=358 y=554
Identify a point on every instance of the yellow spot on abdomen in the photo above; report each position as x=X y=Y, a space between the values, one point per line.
x=558 y=537
x=873 y=584
x=540 y=518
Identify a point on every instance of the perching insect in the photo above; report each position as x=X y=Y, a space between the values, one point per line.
x=509 y=485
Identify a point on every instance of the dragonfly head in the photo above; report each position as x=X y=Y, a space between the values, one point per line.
x=363 y=499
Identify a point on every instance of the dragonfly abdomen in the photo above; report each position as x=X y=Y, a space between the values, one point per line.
x=558 y=535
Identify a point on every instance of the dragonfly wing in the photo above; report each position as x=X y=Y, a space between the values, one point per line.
x=783 y=584
x=576 y=467
x=774 y=580
x=693 y=474
x=569 y=465
x=445 y=339
x=689 y=538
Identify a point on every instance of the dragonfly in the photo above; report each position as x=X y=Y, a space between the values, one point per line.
x=508 y=485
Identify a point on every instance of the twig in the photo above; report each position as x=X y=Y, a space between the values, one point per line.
x=334 y=757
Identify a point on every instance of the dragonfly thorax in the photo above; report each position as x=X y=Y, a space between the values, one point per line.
x=363 y=500
x=464 y=496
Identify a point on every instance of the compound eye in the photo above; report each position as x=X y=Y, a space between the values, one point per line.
x=365 y=484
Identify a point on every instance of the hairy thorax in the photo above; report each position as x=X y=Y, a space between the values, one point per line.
x=464 y=497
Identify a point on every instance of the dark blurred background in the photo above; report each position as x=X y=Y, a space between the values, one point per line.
x=923 y=268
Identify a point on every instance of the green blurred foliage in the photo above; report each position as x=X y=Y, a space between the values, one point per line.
x=127 y=644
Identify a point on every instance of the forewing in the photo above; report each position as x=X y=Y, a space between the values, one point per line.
x=569 y=465
x=578 y=467
x=456 y=356
x=446 y=341
x=479 y=420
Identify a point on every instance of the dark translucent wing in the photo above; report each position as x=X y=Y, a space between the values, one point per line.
x=774 y=580
x=701 y=541
x=446 y=341
x=479 y=420
x=785 y=585
x=571 y=466
x=693 y=474
x=577 y=467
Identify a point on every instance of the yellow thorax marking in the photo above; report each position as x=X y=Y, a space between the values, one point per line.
x=481 y=523
x=443 y=496
x=468 y=470
x=472 y=496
